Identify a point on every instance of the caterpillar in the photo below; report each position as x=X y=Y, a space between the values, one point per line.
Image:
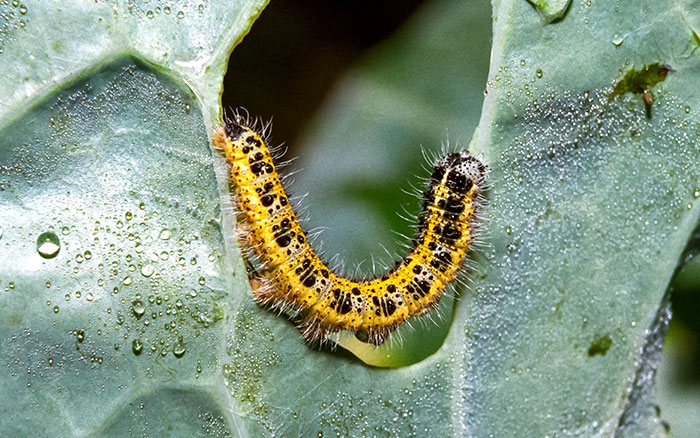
x=292 y=277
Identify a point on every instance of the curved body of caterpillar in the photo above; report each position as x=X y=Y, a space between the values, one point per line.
x=292 y=276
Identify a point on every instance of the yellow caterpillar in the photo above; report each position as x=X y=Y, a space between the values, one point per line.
x=292 y=276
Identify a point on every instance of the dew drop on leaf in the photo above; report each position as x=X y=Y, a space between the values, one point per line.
x=138 y=308
x=48 y=245
x=136 y=347
x=179 y=349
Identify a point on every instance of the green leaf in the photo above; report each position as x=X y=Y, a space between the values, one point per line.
x=114 y=272
x=133 y=316
x=592 y=202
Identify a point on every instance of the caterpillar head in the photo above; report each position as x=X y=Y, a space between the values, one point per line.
x=461 y=170
x=240 y=142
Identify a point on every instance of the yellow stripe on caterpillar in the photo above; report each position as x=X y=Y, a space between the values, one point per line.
x=293 y=277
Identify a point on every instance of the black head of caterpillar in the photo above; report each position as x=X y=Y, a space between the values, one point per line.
x=291 y=276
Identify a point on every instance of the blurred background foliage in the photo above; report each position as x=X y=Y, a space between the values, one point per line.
x=286 y=69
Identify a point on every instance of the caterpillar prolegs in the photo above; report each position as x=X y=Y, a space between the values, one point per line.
x=291 y=276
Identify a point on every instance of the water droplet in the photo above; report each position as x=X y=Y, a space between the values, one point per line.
x=522 y=62
x=127 y=281
x=687 y=109
x=202 y=281
x=147 y=271
x=617 y=40
x=88 y=255
x=165 y=234
x=538 y=73
x=79 y=258
x=138 y=308
x=22 y=9
x=89 y=296
x=55 y=309
x=136 y=347
x=149 y=14
x=167 y=10
x=128 y=216
x=696 y=193
x=65 y=231
x=180 y=15
x=48 y=245
x=80 y=335
x=179 y=348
